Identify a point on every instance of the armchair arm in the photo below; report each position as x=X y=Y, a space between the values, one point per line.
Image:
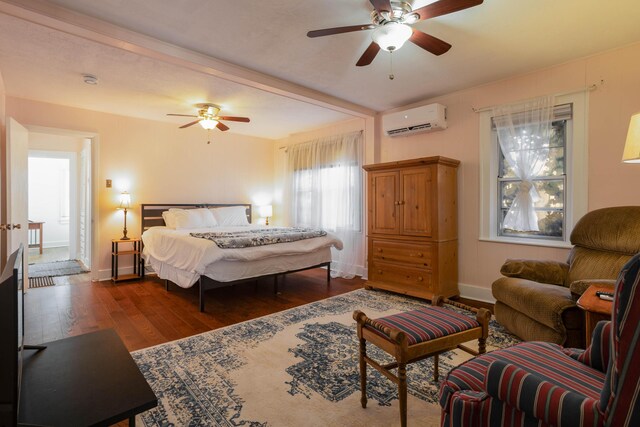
x=578 y=287
x=550 y=272
x=597 y=354
x=539 y=398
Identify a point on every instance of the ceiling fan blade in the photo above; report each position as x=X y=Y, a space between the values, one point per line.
x=368 y=55
x=182 y=115
x=222 y=126
x=235 y=119
x=340 y=30
x=444 y=7
x=381 y=5
x=429 y=43
x=190 y=124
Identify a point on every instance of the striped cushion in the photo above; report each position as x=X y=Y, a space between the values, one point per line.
x=427 y=323
x=545 y=361
x=597 y=355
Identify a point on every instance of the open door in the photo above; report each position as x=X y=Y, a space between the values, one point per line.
x=17 y=188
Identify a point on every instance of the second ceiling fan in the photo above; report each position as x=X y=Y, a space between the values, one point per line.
x=391 y=22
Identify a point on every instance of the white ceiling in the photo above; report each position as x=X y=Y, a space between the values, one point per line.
x=491 y=41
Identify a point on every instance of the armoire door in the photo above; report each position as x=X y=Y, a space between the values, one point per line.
x=383 y=202
x=416 y=193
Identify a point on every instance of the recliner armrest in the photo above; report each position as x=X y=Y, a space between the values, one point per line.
x=578 y=287
x=537 y=397
x=550 y=272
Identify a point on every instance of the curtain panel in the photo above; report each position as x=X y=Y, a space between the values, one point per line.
x=524 y=131
x=325 y=191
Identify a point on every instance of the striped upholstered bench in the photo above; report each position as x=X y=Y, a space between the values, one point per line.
x=415 y=335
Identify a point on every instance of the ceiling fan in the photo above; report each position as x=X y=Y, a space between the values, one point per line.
x=208 y=117
x=391 y=24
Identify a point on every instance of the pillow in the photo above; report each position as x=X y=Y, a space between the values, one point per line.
x=169 y=219
x=189 y=218
x=231 y=216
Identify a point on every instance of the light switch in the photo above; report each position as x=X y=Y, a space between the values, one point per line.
x=108 y=183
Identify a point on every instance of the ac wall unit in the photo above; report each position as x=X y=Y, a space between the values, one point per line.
x=421 y=119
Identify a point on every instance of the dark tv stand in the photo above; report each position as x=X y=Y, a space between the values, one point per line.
x=86 y=380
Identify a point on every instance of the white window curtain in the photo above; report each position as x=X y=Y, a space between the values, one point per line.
x=325 y=191
x=524 y=131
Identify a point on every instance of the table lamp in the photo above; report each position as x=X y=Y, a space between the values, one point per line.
x=125 y=203
x=266 y=212
x=632 y=145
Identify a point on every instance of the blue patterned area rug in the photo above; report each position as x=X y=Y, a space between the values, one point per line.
x=294 y=368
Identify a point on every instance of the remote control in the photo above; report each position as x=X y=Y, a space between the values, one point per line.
x=601 y=293
x=606 y=297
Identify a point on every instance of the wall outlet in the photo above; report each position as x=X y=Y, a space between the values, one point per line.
x=108 y=183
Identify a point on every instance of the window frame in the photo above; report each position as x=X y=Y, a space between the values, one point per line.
x=576 y=171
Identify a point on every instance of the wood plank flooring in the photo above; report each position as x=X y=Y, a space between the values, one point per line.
x=145 y=314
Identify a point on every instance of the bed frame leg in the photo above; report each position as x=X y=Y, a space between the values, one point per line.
x=328 y=274
x=201 y=295
x=275 y=284
x=166 y=284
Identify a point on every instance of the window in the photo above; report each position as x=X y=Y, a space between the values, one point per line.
x=559 y=183
x=549 y=184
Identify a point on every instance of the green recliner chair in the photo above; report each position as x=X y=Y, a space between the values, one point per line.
x=536 y=299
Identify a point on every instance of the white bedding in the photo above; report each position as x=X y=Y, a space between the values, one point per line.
x=178 y=257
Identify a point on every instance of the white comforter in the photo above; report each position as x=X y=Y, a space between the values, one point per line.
x=191 y=254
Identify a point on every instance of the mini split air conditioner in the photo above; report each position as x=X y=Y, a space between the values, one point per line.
x=421 y=119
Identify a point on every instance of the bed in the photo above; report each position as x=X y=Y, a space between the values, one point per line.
x=178 y=257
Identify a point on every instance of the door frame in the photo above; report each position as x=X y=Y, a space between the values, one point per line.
x=94 y=139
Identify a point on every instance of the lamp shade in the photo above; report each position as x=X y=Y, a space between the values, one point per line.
x=208 y=124
x=391 y=36
x=125 y=200
x=632 y=145
x=266 y=211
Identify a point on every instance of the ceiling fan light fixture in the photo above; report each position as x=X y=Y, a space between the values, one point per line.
x=208 y=124
x=392 y=35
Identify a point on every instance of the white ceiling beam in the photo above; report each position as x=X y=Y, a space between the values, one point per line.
x=77 y=24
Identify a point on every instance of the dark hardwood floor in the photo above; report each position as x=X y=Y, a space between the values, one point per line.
x=145 y=314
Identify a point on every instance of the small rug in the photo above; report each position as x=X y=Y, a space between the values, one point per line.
x=40 y=282
x=292 y=368
x=57 y=268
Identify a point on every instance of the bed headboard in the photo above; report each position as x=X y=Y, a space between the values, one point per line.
x=152 y=213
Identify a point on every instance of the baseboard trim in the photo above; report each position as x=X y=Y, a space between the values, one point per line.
x=475 y=292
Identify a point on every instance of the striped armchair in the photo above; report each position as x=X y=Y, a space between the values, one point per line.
x=544 y=384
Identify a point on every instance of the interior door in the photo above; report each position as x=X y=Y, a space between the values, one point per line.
x=17 y=188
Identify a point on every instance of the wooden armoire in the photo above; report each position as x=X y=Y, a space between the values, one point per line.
x=412 y=231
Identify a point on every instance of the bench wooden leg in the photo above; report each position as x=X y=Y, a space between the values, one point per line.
x=402 y=393
x=363 y=372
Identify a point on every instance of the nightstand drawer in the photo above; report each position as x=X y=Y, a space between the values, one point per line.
x=407 y=277
x=418 y=255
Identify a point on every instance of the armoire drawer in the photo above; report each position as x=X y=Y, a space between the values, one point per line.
x=408 y=253
x=406 y=277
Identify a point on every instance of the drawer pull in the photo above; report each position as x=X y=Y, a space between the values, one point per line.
x=419 y=255
x=379 y=249
x=379 y=271
x=420 y=279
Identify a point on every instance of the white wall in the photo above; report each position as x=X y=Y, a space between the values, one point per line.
x=49 y=202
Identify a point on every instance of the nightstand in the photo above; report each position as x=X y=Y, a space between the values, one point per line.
x=135 y=250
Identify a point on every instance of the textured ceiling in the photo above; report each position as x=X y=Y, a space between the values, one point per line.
x=497 y=39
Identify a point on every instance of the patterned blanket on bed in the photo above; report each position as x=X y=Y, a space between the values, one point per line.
x=260 y=237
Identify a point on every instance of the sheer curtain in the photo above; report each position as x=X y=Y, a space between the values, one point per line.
x=325 y=191
x=524 y=131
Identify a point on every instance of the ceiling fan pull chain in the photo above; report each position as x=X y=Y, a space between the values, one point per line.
x=391 y=76
x=208 y=136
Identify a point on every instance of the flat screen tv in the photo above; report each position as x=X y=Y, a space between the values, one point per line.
x=11 y=337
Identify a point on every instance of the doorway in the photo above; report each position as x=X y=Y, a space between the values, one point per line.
x=59 y=206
